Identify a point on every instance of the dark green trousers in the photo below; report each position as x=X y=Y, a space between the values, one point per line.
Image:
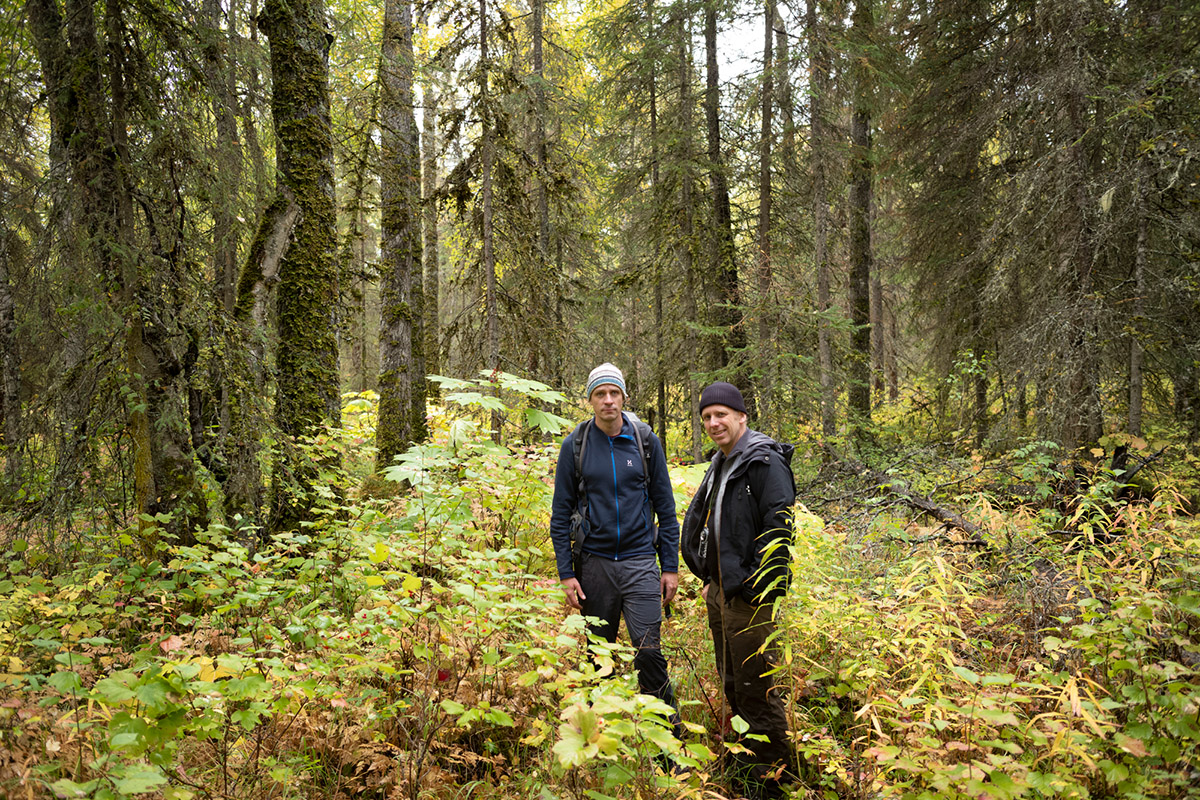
x=740 y=632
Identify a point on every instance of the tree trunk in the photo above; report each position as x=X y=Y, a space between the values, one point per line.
x=546 y=275
x=227 y=157
x=1136 y=351
x=722 y=251
x=1080 y=409
x=401 y=379
x=765 y=327
x=487 y=156
x=430 y=252
x=10 y=372
x=687 y=210
x=878 y=330
x=93 y=123
x=249 y=109
x=660 y=384
x=860 y=227
x=819 y=90
x=307 y=358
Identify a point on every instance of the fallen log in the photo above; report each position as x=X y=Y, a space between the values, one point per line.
x=897 y=488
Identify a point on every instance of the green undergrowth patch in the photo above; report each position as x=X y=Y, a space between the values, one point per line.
x=412 y=642
x=1040 y=668
x=401 y=648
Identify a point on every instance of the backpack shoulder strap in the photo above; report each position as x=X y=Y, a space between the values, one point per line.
x=581 y=435
x=640 y=431
x=639 y=437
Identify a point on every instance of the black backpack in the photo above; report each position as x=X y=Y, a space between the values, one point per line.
x=577 y=528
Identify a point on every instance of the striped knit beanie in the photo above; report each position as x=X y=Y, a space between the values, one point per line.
x=606 y=373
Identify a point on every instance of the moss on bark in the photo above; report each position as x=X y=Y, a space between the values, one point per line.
x=307 y=359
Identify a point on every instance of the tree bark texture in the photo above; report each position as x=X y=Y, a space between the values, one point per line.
x=818 y=94
x=860 y=226
x=10 y=370
x=765 y=344
x=89 y=79
x=307 y=394
x=722 y=250
x=430 y=253
x=401 y=338
x=1136 y=350
x=487 y=158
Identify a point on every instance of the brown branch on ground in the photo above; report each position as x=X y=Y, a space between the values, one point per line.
x=919 y=502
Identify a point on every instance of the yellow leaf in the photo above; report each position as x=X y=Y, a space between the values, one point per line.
x=411 y=584
x=15 y=665
x=374 y=581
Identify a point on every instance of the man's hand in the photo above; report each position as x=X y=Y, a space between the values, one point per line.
x=574 y=593
x=670 y=584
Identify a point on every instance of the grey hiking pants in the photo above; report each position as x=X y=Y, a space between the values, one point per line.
x=631 y=588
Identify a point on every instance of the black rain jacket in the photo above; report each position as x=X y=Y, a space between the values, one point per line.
x=752 y=527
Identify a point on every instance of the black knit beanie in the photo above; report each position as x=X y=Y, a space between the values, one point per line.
x=722 y=393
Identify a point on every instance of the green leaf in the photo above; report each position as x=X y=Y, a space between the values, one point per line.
x=499 y=717
x=123 y=740
x=477 y=399
x=545 y=421
x=66 y=682
x=453 y=708
x=140 y=782
x=617 y=774
x=153 y=693
x=68 y=788
x=966 y=674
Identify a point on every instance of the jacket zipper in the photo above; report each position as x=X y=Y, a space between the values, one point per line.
x=612 y=455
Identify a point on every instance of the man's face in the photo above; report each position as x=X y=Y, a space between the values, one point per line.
x=723 y=425
x=607 y=401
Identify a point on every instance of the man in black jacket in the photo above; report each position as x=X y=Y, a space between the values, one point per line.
x=737 y=537
x=622 y=486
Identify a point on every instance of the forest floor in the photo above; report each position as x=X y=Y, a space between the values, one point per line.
x=418 y=646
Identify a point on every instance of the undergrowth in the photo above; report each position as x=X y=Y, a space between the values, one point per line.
x=413 y=643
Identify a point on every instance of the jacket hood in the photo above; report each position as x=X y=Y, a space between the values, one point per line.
x=758 y=446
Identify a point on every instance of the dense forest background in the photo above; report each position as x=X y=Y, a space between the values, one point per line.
x=295 y=296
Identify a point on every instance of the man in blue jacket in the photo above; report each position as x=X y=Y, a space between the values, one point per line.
x=621 y=488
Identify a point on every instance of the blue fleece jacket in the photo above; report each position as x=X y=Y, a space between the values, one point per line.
x=622 y=504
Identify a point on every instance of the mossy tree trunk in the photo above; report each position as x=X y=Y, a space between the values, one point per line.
x=401 y=335
x=307 y=360
x=10 y=364
x=430 y=252
x=91 y=109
